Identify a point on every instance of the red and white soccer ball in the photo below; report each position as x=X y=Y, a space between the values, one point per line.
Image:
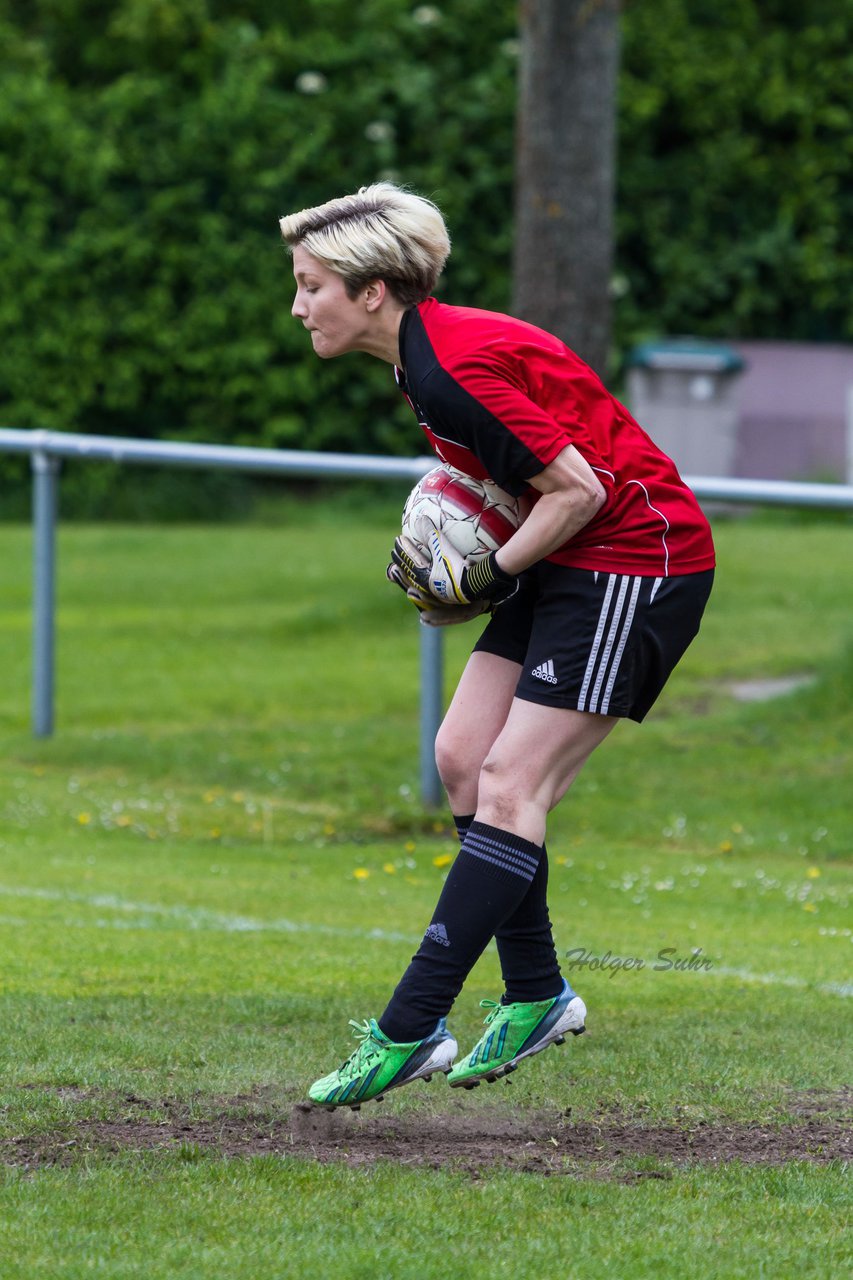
x=474 y=515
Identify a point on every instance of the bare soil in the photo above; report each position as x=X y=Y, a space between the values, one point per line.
x=458 y=1138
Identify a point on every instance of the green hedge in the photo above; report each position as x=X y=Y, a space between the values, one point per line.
x=147 y=148
x=736 y=169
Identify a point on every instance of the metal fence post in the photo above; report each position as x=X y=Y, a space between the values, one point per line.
x=432 y=707
x=45 y=487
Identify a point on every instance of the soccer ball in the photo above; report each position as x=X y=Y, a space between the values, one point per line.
x=474 y=515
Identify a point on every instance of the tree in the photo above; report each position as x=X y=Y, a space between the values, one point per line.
x=565 y=148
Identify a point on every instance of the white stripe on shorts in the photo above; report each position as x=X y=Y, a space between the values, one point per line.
x=593 y=653
x=617 y=637
x=620 y=648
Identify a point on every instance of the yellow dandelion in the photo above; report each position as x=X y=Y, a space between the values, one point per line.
x=438 y=827
x=361 y=873
x=328 y=829
x=561 y=859
x=123 y=820
x=813 y=873
x=443 y=860
x=238 y=797
x=809 y=906
x=726 y=846
x=409 y=846
x=84 y=819
x=737 y=828
x=215 y=833
x=389 y=868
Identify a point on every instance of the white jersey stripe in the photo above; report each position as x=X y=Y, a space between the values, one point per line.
x=608 y=646
x=629 y=618
x=666 y=525
x=593 y=653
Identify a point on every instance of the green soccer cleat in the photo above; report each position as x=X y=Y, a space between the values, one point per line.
x=379 y=1064
x=518 y=1031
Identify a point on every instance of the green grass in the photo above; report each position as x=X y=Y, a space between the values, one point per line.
x=274 y=1218
x=221 y=856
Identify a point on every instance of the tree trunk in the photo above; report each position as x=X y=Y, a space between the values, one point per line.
x=565 y=148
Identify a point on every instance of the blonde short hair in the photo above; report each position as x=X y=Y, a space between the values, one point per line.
x=383 y=232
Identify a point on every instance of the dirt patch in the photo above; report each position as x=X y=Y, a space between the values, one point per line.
x=459 y=1138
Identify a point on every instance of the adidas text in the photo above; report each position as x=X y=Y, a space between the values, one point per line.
x=545 y=671
x=438 y=933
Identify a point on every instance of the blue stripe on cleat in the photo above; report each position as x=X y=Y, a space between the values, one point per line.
x=348 y=1090
x=365 y=1083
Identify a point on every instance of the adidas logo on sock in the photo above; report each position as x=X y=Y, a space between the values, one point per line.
x=545 y=671
x=438 y=933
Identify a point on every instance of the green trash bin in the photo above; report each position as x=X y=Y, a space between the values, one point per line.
x=683 y=392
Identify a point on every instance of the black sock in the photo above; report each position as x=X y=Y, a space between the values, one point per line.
x=529 y=965
x=490 y=876
x=462 y=825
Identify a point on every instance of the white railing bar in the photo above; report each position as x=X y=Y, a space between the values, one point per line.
x=177 y=453
x=47 y=448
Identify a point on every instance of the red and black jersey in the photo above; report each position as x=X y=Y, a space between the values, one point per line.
x=500 y=399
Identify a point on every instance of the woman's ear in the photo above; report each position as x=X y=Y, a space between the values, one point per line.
x=374 y=294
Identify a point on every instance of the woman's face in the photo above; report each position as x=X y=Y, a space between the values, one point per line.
x=337 y=323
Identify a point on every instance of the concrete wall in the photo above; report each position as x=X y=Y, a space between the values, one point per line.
x=791 y=402
x=785 y=417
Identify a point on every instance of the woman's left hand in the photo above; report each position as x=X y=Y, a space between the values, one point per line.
x=433 y=613
x=451 y=578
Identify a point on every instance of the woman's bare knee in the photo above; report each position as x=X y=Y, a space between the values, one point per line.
x=458 y=765
x=499 y=796
x=474 y=719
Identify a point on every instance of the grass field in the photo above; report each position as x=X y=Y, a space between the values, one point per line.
x=221 y=857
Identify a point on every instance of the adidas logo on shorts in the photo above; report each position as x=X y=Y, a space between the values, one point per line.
x=545 y=671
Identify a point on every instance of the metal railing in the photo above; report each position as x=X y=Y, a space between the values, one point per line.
x=47 y=449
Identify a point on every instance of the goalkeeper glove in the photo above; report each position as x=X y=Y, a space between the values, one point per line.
x=432 y=612
x=452 y=579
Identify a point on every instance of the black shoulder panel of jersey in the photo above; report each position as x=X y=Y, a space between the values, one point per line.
x=454 y=414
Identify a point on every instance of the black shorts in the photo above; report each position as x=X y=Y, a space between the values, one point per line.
x=596 y=641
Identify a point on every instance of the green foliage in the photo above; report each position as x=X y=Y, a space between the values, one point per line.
x=147 y=148
x=735 y=197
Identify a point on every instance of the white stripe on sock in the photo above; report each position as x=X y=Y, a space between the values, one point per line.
x=520 y=871
x=497 y=846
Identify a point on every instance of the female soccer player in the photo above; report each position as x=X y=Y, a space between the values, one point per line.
x=593 y=601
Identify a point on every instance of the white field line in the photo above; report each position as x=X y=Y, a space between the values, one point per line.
x=145 y=915
x=778 y=980
x=148 y=914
